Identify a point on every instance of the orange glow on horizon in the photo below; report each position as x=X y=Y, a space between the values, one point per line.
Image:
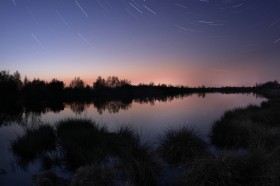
x=183 y=73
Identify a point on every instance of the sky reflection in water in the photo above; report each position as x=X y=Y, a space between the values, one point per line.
x=149 y=120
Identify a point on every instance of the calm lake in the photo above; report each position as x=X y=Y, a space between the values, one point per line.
x=149 y=118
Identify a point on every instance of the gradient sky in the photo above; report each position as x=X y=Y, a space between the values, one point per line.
x=189 y=42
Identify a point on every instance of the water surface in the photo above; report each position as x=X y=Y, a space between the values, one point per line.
x=149 y=118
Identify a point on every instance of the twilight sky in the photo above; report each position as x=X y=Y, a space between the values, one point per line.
x=189 y=42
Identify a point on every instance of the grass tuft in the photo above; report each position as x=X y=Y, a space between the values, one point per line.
x=81 y=141
x=181 y=145
x=140 y=166
x=93 y=175
x=34 y=142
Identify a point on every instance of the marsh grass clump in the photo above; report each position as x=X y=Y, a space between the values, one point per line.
x=84 y=142
x=257 y=167
x=244 y=127
x=35 y=142
x=140 y=166
x=181 y=145
x=137 y=162
x=87 y=148
x=81 y=141
x=271 y=168
x=269 y=113
x=226 y=170
x=212 y=171
x=124 y=140
x=93 y=175
x=48 y=178
x=230 y=134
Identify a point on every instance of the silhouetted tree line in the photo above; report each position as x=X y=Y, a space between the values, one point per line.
x=19 y=97
x=39 y=89
x=12 y=86
x=268 y=85
x=269 y=89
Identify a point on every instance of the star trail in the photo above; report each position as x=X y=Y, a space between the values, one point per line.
x=189 y=42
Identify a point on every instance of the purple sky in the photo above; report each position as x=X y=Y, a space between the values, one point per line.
x=189 y=42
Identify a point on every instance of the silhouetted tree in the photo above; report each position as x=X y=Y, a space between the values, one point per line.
x=35 y=89
x=10 y=84
x=99 y=83
x=77 y=83
x=56 y=85
x=151 y=84
x=17 y=80
x=111 y=82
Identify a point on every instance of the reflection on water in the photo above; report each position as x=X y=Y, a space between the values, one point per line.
x=148 y=116
x=78 y=107
x=17 y=111
x=112 y=106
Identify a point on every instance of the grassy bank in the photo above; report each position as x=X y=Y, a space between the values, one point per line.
x=249 y=127
x=256 y=168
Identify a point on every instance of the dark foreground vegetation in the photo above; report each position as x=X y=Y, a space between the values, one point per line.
x=251 y=127
x=247 y=140
x=94 y=155
x=182 y=145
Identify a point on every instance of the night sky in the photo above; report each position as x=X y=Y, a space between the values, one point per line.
x=189 y=42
